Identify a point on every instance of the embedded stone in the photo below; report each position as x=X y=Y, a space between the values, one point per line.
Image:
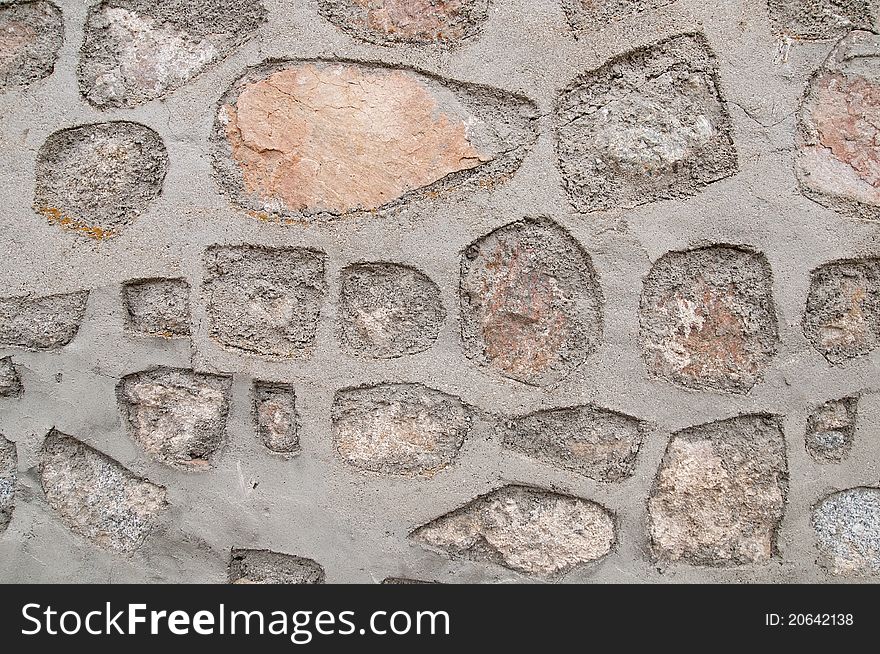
x=403 y=581
x=531 y=306
x=819 y=19
x=842 y=316
x=10 y=380
x=157 y=307
x=708 y=319
x=528 y=530
x=720 y=494
x=96 y=496
x=265 y=567
x=831 y=430
x=41 y=323
x=838 y=160
x=399 y=429
x=276 y=417
x=648 y=125
x=8 y=478
x=96 y=179
x=318 y=139
x=597 y=443
x=137 y=50
x=264 y=301
x=596 y=14
x=847 y=527
x=388 y=310
x=177 y=416
x=31 y=34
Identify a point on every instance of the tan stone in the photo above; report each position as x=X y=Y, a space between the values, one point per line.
x=418 y=21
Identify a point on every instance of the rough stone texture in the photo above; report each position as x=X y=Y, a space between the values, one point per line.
x=529 y=530
x=596 y=14
x=831 y=430
x=838 y=162
x=10 y=381
x=708 y=320
x=265 y=567
x=399 y=429
x=157 y=307
x=177 y=416
x=96 y=179
x=31 y=34
x=531 y=305
x=388 y=310
x=402 y=581
x=648 y=125
x=819 y=19
x=720 y=493
x=842 y=316
x=277 y=420
x=139 y=50
x=264 y=301
x=591 y=441
x=8 y=478
x=847 y=527
x=96 y=496
x=318 y=139
x=41 y=323
x=388 y=22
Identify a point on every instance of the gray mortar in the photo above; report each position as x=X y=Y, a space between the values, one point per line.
x=37 y=60
x=831 y=430
x=8 y=477
x=590 y=15
x=820 y=19
x=848 y=528
x=265 y=567
x=276 y=418
x=41 y=323
x=10 y=380
x=157 y=307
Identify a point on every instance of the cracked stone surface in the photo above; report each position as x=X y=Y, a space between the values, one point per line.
x=264 y=301
x=137 y=50
x=719 y=496
x=10 y=380
x=596 y=14
x=648 y=125
x=96 y=496
x=41 y=323
x=529 y=530
x=31 y=34
x=819 y=19
x=399 y=429
x=388 y=310
x=277 y=420
x=318 y=139
x=831 y=430
x=838 y=161
x=842 y=316
x=847 y=526
x=157 y=307
x=708 y=319
x=96 y=179
x=531 y=305
x=8 y=479
x=265 y=567
x=177 y=416
x=595 y=442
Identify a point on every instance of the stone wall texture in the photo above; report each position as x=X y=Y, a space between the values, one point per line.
x=440 y=291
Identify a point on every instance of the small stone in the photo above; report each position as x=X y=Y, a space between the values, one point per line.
x=818 y=19
x=276 y=417
x=847 y=527
x=177 y=416
x=597 y=443
x=388 y=310
x=265 y=567
x=708 y=319
x=264 y=301
x=596 y=14
x=31 y=34
x=831 y=430
x=10 y=381
x=720 y=494
x=528 y=530
x=401 y=581
x=399 y=429
x=96 y=179
x=41 y=323
x=8 y=478
x=531 y=306
x=157 y=307
x=96 y=496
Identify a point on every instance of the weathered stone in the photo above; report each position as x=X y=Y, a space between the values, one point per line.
x=177 y=416
x=531 y=306
x=31 y=34
x=402 y=581
x=596 y=14
x=594 y=442
x=528 y=530
x=388 y=310
x=317 y=139
x=139 y=50
x=8 y=478
x=264 y=301
x=96 y=496
x=399 y=429
x=386 y=22
x=648 y=125
x=10 y=381
x=819 y=19
x=41 y=323
x=158 y=307
x=96 y=179
x=720 y=493
x=831 y=430
x=838 y=161
x=265 y=567
x=276 y=417
x=707 y=318
x=847 y=527
x=842 y=316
